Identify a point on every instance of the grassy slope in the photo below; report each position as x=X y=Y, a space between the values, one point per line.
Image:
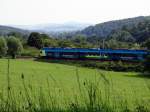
x=63 y=78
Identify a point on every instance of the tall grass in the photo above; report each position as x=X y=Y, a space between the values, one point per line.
x=90 y=98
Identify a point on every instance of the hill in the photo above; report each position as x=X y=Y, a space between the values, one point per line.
x=7 y=29
x=104 y=29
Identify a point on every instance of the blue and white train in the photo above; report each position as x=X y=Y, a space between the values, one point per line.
x=82 y=53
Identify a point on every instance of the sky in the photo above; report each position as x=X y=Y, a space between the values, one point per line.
x=31 y=12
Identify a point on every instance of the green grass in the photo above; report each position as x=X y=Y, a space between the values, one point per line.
x=63 y=83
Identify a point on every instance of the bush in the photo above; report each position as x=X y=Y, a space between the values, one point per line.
x=114 y=66
x=30 y=51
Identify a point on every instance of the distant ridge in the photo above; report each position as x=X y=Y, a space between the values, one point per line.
x=54 y=27
x=4 y=30
x=104 y=29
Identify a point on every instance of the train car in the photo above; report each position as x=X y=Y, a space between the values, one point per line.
x=95 y=53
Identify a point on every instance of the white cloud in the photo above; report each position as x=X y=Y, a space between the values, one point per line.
x=58 y=11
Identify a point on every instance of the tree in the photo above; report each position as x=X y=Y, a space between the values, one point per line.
x=94 y=40
x=65 y=43
x=35 y=40
x=50 y=42
x=14 y=46
x=135 y=46
x=16 y=34
x=44 y=36
x=147 y=64
x=122 y=36
x=79 y=41
x=3 y=47
x=147 y=44
x=112 y=44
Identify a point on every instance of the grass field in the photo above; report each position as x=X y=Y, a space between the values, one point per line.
x=64 y=82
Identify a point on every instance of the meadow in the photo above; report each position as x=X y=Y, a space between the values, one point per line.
x=28 y=85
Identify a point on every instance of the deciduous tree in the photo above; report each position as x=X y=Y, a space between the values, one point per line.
x=14 y=46
x=3 y=47
x=35 y=40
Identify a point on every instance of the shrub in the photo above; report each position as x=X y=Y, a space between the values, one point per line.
x=113 y=65
x=30 y=51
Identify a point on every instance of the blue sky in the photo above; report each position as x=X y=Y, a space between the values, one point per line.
x=30 y=12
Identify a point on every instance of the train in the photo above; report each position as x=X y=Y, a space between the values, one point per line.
x=94 y=53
